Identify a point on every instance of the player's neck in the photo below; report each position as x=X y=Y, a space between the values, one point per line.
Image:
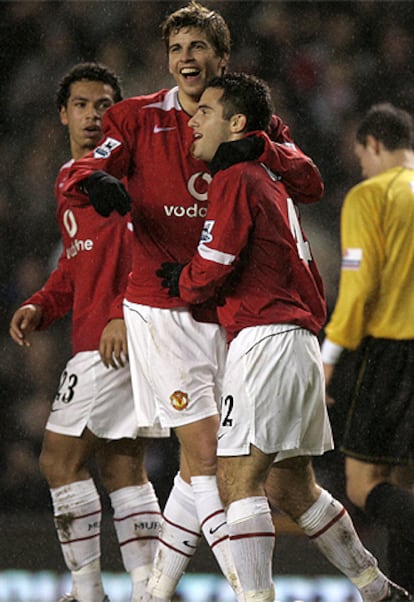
x=402 y=157
x=188 y=103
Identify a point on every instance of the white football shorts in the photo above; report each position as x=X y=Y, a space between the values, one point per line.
x=176 y=365
x=91 y=395
x=274 y=394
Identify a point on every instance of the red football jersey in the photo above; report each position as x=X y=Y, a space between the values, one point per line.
x=147 y=139
x=254 y=253
x=91 y=276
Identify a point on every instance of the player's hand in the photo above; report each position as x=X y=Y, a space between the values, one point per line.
x=24 y=321
x=328 y=370
x=107 y=193
x=113 y=346
x=170 y=274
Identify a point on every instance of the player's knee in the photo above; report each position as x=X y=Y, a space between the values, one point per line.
x=123 y=472
x=50 y=468
x=58 y=471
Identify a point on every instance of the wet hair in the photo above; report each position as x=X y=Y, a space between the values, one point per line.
x=390 y=125
x=197 y=15
x=245 y=94
x=92 y=72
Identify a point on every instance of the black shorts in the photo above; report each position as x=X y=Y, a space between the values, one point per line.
x=380 y=422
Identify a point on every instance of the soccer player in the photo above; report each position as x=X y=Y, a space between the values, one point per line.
x=176 y=352
x=373 y=315
x=93 y=413
x=254 y=255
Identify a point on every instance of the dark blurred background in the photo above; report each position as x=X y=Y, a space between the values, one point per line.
x=326 y=63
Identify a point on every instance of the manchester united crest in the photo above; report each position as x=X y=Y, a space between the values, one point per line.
x=179 y=400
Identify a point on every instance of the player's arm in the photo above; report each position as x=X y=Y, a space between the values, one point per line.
x=38 y=312
x=298 y=172
x=55 y=298
x=224 y=236
x=362 y=260
x=113 y=345
x=96 y=177
x=25 y=320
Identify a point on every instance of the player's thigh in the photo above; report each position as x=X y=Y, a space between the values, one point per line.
x=243 y=476
x=362 y=477
x=198 y=441
x=179 y=359
x=273 y=394
x=64 y=456
x=121 y=463
x=291 y=485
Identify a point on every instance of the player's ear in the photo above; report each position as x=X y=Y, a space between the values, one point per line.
x=224 y=61
x=373 y=144
x=238 y=123
x=63 y=115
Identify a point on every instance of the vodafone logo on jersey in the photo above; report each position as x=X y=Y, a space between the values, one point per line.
x=71 y=227
x=69 y=221
x=197 y=186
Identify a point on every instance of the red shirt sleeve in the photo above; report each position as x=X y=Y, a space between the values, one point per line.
x=299 y=173
x=56 y=296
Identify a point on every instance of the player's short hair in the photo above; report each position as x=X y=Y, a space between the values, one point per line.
x=95 y=72
x=197 y=15
x=247 y=94
x=390 y=125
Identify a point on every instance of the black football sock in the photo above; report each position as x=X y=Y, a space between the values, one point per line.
x=400 y=556
x=393 y=507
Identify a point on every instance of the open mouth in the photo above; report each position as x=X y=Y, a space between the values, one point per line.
x=190 y=72
x=92 y=130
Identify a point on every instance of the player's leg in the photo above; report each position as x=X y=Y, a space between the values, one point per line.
x=380 y=426
x=137 y=514
x=292 y=488
x=198 y=441
x=400 y=552
x=256 y=420
x=251 y=531
x=180 y=360
x=380 y=490
x=193 y=506
x=77 y=509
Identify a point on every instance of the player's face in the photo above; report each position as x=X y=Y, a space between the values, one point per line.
x=210 y=127
x=192 y=61
x=87 y=102
x=368 y=157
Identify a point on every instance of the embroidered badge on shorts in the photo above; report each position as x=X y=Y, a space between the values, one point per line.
x=179 y=400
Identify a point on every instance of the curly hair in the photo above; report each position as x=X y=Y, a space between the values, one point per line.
x=89 y=71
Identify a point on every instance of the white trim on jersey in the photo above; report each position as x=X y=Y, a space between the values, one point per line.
x=215 y=256
x=170 y=101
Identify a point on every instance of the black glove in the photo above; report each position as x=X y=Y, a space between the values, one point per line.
x=236 y=151
x=106 y=193
x=170 y=273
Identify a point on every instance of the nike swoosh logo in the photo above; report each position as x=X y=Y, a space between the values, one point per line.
x=220 y=436
x=212 y=531
x=158 y=129
x=189 y=545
